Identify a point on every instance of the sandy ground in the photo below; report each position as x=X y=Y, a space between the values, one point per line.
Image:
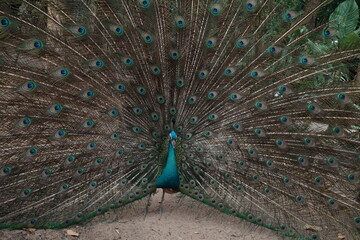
x=183 y=218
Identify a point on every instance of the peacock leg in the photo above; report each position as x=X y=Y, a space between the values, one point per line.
x=147 y=206
x=161 y=204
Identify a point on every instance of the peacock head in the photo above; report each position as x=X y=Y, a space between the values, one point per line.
x=173 y=135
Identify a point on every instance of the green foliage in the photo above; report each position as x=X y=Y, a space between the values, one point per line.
x=350 y=41
x=345 y=18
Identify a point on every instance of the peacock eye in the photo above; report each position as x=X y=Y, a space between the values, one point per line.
x=328 y=32
x=145 y=3
x=4 y=22
x=282 y=88
x=148 y=39
x=211 y=42
x=28 y=86
x=64 y=72
x=37 y=44
x=87 y=94
x=311 y=107
x=180 y=83
x=341 y=96
x=127 y=61
x=81 y=30
x=192 y=100
x=26 y=192
x=203 y=74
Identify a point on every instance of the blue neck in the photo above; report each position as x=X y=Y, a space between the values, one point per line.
x=169 y=177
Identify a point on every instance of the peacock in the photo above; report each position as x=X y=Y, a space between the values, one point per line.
x=249 y=106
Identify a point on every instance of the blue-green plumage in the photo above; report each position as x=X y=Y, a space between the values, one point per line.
x=169 y=177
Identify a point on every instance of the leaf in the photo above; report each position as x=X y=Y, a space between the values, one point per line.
x=313 y=228
x=72 y=233
x=345 y=18
x=341 y=236
x=350 y=41
x=31 y=230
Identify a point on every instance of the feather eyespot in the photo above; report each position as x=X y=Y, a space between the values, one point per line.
x=329 y=32
x=115 y=135
x=56 y=108
x=147 y=38
x=141 y=90
x=212 y=95
x=172 y=110
x=24 y=122
x=203 y=74
x=37 y=44
x=113 y=113
x=242 y=42
x=25 y=192
x=180 y=22
x=31 y=152
x=211 y=42
x=87 y=94
x=59 y=134
x=69 y=160
x=180 y=82
x=28 y=86
x=192 y=100
x=229 y=71
x=91 y=146
x=81 y=30
x=174 y=54
x=193 y=120
x=144 y=3
x=5 y=171
x=5 y=22
x=117 y=30
x=215 y=9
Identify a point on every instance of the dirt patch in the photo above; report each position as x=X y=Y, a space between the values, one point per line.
x=182 y=218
